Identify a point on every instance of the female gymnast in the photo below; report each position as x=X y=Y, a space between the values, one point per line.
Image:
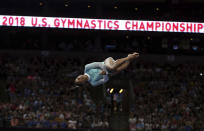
x=97 y=73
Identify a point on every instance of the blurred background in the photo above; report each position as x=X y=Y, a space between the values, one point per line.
x=161 y=90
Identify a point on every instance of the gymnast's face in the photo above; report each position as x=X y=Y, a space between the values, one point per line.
x=81 y=79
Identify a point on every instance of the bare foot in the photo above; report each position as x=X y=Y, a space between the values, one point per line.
x=133 y=55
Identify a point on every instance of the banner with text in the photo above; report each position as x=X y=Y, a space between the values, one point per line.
x=101 y=24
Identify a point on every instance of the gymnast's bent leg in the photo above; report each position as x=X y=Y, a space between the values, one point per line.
x=120 y=64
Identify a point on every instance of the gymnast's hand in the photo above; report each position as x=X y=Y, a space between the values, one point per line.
x=103 y=72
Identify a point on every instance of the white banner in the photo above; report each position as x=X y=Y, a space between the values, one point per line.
x=101 y=24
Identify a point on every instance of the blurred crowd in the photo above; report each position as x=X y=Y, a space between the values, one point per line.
x=165 y=96
x=39 y=96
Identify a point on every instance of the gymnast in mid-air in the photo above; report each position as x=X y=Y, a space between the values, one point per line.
x=97 y=73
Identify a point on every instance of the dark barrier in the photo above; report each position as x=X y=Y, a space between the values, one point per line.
x=4 y=123
x=176 y=59
x=58 y=129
